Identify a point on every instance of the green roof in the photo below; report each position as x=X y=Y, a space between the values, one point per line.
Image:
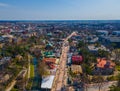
x=49 y=34
x=48 y=53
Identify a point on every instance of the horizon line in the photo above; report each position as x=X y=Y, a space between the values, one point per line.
x=63 y=20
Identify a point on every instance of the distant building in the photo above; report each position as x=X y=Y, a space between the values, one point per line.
x=92 y=39
x=73 y=49
x=5 y=31
x=49 y=46
x=49 y=34
x=116 y=33
x=94 y=49
x=110 y=40
x=102 y=32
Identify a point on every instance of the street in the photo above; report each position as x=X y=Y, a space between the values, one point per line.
x=61 y=74
x=105 y=86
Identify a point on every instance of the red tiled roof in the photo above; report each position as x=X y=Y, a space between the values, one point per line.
x=77 y=59
x=104 y=63
x=52 y=60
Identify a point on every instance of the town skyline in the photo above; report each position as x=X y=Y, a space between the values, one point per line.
x=60 y=10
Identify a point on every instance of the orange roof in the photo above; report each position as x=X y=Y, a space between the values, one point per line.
x=53 y=60
x=102 y=62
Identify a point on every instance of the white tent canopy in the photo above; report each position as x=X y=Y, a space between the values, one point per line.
x=47 y=82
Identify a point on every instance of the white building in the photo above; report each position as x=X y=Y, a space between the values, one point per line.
x=102 y=32
x=47 y=83
x=94 y=49
x=116 y=33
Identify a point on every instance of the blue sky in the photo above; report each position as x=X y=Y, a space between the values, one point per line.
x=59 y=9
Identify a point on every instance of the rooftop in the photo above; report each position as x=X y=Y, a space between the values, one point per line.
x=52 y=60
x=103 y=63
x=94 y=48
x=47 y=82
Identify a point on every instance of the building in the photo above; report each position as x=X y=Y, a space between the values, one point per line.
x=116 y=33
x=73 y=49
x=94 y=49
x=51 y=62
x=49 y=46
x=92 y=39
x=108 y=41
x=102 y=32
x=47 y=82
x=77 y=69
x=104 y=66
x=77 y=59
x=49 y=54
x=4 y=62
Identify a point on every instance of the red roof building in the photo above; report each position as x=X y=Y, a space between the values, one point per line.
x=104 y=63
x=104 y=67
x=77 y=59
x=6 y=31
x=50 y=62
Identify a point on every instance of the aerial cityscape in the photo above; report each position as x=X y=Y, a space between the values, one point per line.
x=59 y=45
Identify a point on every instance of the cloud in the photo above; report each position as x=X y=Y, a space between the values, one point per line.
x=3 y=5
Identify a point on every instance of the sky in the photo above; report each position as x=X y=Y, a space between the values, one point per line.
x=59 y=9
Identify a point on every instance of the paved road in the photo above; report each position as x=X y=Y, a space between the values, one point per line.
x=62 y=71
x=105 y=86
x=11 y=86
x=14 y=81
x=60 y=78
x=93 y=87
x=28 y=70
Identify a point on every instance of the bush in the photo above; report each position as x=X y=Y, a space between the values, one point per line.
x=112 y=78
x=117 y=68
x=114 y=88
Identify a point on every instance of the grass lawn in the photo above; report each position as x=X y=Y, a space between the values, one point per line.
x=112 y=78
x=14 y=89
x=29 y=85
x=31 y=70
x=117 y=68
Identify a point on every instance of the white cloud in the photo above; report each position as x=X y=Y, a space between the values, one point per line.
x=3 y=5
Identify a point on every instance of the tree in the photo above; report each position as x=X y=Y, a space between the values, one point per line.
x=118 y=80
x=113 y=45
x=102 y=53
x=99 y=81
x=87 y=56
x=71 y=73
x=116 y=88
x=87 y=69
x=21 y=84
x=37 y=53
x=97 y=44
x=42 y=69
x=81 y=44
x=117 y=54
x=85 y=80
x=70 y=40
